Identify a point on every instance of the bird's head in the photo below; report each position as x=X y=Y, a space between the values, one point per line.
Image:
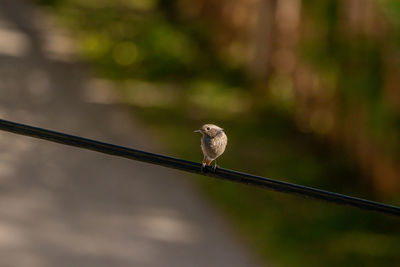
x=210 y=130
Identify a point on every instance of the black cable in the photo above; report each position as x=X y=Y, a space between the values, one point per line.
x=194 y=167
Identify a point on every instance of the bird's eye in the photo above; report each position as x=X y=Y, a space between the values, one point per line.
x=208 y=128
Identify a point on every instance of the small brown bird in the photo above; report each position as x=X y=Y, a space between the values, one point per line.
x=213 y=143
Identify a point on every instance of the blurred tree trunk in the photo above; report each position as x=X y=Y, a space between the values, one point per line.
x=262 y=39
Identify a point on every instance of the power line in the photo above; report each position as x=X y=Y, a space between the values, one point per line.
x=194 y=167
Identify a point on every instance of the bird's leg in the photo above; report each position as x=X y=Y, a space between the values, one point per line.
x=203 y=165
x=215 y=165
x=206 y=162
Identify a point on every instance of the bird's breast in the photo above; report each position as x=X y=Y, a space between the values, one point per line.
x=214 y=147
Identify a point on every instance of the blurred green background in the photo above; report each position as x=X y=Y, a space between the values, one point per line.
x=307 y=92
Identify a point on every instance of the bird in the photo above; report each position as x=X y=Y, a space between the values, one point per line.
x=213 y=143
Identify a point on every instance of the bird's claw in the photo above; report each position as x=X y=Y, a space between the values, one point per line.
x=215 y=167
x=203 y=168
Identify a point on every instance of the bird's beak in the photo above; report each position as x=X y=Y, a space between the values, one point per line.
x=197 y=131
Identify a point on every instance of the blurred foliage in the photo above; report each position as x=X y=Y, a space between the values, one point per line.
x=325 y=113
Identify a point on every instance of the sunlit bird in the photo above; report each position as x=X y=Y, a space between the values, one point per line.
x=213 y=143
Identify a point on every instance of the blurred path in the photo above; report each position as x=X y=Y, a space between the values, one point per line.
x=62 y=206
